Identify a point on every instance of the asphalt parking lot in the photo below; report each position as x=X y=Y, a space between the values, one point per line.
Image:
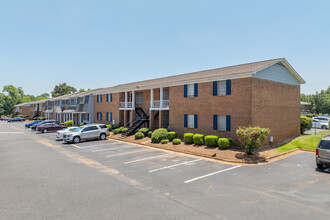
x=44 y=178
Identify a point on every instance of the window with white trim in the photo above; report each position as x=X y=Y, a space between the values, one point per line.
x=221 y=126
x=99 y=116
x=190 y=90
x=222 y=87
x=191 y=121
x=139 y=98
x=73 y=102
x=166 y=94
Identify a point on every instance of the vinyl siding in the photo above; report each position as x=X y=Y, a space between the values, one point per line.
x=277 y=73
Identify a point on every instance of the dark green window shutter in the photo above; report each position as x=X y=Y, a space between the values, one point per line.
x=111 y=98
x=195 y=121
x=196 y=90
x=228 y=87
x=185 y=92
x=228 y=122
x=185 y=121
x=215 y=122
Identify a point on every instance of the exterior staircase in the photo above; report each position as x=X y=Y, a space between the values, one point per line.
x=142 y=119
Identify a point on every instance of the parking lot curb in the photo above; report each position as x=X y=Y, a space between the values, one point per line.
x=282 y=154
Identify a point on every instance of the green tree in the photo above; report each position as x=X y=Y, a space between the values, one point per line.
x=63 y=89
x=320 y=101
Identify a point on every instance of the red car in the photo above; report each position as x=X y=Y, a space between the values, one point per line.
x=5 y=119
x=49 y=127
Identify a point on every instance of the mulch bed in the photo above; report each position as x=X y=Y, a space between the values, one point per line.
x=235 y=154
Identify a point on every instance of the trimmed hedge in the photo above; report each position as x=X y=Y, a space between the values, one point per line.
x=199 y=139
x=172 y=135
x=176 y=141
x=144 y=131
x=68 y=123
x=164 y=141
x=81 y=123
x=223 y=143
x=211 y=141
x=188 y=138
x=158 y=135
x=305 y=123
x=109 y=127
x=139 y=135
x=149 y=134
x=123 y=129
x=116 y=131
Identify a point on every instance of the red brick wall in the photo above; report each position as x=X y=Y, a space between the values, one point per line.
x=105 y=106
x=276 y=106
x=238 y=105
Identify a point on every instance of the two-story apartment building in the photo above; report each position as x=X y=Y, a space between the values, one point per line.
x=217 y=101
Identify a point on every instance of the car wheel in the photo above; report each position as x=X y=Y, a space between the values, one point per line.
x=45 y=130
x=103 y=136
x=76 y=140
x=323 y=127
x=319 y=165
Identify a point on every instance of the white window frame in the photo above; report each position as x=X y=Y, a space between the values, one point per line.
x=139 y=98
x=222 y=123
x=190 y=90
x=222 y=87
x=74 y=102
x=191 y=121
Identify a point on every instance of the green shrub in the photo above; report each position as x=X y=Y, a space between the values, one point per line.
x=252 y=137
x=144 y=131
x=223 y=143
x=158 y=135
x=68 y=123
x=116 y=131
x=164 y=141
x=172 y=135
x=81 y=123
x=124 y=130
x=109 y=127
x=231 y=141
x=149 y=134
x=199 y=139
x=211 y=140
x=305 y=123
x=139 y=135
x=188 y=138
x=310 y=115
x=61 y=123
x=41 y=118
x=176 y=141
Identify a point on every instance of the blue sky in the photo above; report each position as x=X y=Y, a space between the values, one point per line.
x=94 y=44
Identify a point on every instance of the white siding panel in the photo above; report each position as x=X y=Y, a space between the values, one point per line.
x=278 y=73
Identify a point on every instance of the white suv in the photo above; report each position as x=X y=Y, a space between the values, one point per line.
x=87 y=132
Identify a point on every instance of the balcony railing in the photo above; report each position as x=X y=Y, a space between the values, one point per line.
x=156 y=104
x=122 y=105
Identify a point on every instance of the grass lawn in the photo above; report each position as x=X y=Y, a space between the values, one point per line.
x=305 y=141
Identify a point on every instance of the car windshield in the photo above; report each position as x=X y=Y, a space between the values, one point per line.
x=64 y=129
x=78 y=129
x=325 y=144
x=71 y=129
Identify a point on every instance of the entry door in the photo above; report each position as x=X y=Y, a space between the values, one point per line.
x=166 y=120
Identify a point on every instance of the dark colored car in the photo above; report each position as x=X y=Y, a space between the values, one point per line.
x=51 y=127
x=16 y=119
x=34 y=127
x=28 y=125
x=323 y=152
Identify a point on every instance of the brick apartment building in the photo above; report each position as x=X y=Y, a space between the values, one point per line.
x=217 y=101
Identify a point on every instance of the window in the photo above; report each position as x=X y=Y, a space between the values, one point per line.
x=99 y=98
x=190 y=121
x=99 y=116
x=222 y=87
x=191 y=90
x=166 y=94
x=109 y=116
x=102 y=126
x=73 y=102
x=139 y=97
x=221 y=122
x=109 y=97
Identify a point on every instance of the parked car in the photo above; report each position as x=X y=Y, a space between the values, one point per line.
x=5 y=119
x=34 y=127
x=60 y=133
x=87 y=132
x=16 y=119
x=28 y=125
x=320 y=124
x=322 y=119
x=323 y=152
x=50 y=127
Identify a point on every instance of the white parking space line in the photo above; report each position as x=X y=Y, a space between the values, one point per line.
x=83 y=147
x=147 y=158
x=115 y=148
x=175 y=165
x=210 y=174
x=131 y=152
x=11 y=132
